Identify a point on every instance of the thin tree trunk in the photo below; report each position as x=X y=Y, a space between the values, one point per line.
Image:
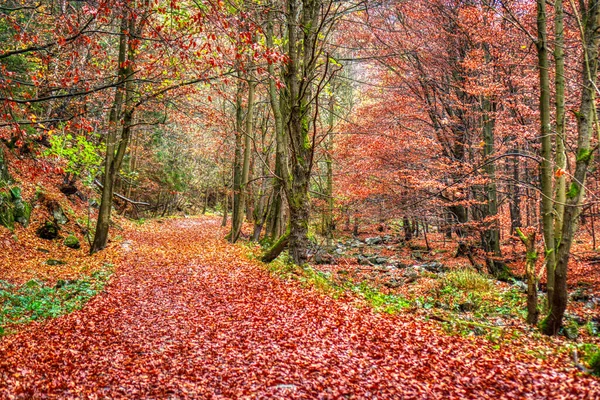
x=116 y=151
x=547 y=208
x=237 y=212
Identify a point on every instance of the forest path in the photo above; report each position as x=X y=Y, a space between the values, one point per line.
x=187 y=316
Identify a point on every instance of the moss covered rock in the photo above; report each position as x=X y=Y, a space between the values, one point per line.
x=7 y=211
x=72 y=242
x=48 y=230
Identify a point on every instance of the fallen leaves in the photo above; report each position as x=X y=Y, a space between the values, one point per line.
x=186 y=316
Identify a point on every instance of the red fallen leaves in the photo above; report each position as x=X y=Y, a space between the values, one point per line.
x=187 y=317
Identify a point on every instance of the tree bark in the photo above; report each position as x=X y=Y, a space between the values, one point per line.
x=586 y=117
x=532 y=256
x=116 y=151
x=547 y=208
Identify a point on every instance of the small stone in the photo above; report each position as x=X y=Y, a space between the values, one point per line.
x=467 y=306
x=436 y=267
x=373 y=240
x=522 y=286
x=55 y=262
x=72 y=242
x=392 y=284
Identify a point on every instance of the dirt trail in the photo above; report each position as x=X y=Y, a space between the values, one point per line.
x=186 y=317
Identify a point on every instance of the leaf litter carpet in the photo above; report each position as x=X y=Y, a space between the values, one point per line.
x=187 y=316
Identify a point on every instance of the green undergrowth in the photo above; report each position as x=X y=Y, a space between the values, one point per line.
x=35 y=300
x=284 y=268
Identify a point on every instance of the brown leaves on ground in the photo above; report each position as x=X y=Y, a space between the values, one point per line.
x=187 y=317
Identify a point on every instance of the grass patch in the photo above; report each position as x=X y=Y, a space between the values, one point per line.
x=387 y=303
x=35 y=301
x=468 y=280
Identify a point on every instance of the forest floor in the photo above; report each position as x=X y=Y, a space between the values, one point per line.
x=187 y=315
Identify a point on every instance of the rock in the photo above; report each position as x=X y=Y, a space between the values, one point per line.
x=522 y=286
x=72 y=242
x=22 y=212
x=580 y=295
x=48 y=231
x=127 y=245
x=322 y=257
x=58 y=213
x=467 y=306
x=571 y=331
x=392 y=284
x=55 y=262
x=411 y=274
x=362 y=260
x=7 y=212
x=373 y=241
x=435 y=267
x=378 y=260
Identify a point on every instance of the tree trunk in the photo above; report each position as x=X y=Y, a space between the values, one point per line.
x=116 y=151
x=328 y=220
x=303 y=34
x=491 y=234
x=281 y=170
x=547 y=208
x=237 y=212
x=532 y=256
x=586 y=117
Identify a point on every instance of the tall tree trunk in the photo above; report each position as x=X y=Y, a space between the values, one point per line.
x=328 y=220
x=299 y=77
x=561 y=157
x=116 y=145
x=491 y=233
x=547 y=208
x=281 y=170
x=586 y=117
x=237 y=211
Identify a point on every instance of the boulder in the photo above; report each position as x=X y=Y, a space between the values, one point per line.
x=22 y=212
x=57 y=212
x=373 y=241
x=7 y=212
x=571 y=331
x=411 y=274
x=362 y=260
x=72 y=242
x=322 y=257
x=392 y=284
x=435 y=267
x=48 y=230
